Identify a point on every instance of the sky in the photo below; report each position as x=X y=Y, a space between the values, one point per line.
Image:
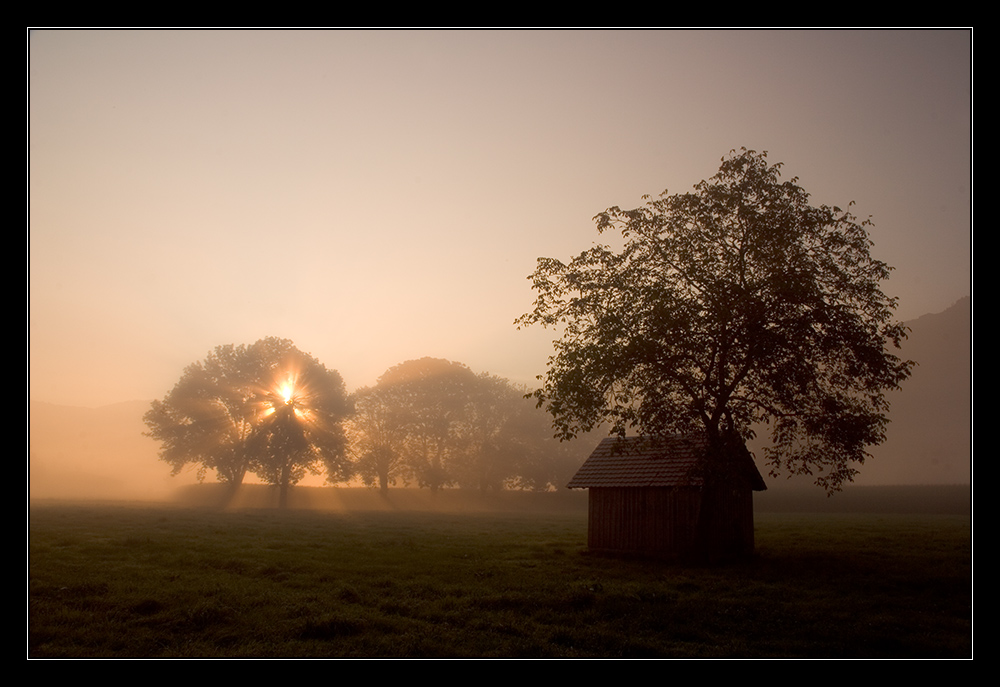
x=382 y=196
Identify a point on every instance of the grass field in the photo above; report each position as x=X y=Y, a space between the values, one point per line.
x=130 y=580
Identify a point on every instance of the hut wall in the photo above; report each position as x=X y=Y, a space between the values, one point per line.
x=671 y=522
x=662 y=520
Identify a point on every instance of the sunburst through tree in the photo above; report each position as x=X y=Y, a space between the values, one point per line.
x=267 y=409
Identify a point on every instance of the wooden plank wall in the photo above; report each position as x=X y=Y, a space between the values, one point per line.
x=665 y=521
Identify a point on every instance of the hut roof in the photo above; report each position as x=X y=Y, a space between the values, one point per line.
x=672 y=461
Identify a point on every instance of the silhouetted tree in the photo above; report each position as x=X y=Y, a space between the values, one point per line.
x=729 y=307
x=301 y=431
x=267 y=408
x=209 y=416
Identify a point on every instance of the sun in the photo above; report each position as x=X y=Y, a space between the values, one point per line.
x=284 y=393
x=290 y=395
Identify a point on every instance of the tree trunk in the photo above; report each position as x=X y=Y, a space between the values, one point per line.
x=720 y=533
x=284 y=486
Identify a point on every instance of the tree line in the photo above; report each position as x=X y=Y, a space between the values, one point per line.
x=734 y=308
x=270 y=410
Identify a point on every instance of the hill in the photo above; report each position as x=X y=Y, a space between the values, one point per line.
x=929 y=439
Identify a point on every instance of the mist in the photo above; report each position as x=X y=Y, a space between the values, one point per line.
x=381 y=196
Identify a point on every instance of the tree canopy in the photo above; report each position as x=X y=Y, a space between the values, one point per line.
x=430 y=396
x=377 y=434
x=733 y=307
x=270 y=410
x=267 y=408
x=437 y=423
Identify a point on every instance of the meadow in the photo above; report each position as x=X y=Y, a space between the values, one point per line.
x=187 y=580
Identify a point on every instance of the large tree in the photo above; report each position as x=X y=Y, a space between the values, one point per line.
x=737 y=306
x=266 y=408
x=209 y=416
x=301 y=430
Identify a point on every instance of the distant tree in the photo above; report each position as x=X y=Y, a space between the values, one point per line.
x=735 y=306
x=430 y=397
x=509 y=442
x=378 y=434
x=301 y=430
x=436 y=423
x=209 y=416
x=266 y=408
x=541 y=462
x=493 y=447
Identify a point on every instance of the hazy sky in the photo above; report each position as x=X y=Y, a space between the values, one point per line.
x=382 y=196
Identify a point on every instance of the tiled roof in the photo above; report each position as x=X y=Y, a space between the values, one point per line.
x=648 y=462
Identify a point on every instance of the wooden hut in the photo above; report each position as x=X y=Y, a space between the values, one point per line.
x=652 y=497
